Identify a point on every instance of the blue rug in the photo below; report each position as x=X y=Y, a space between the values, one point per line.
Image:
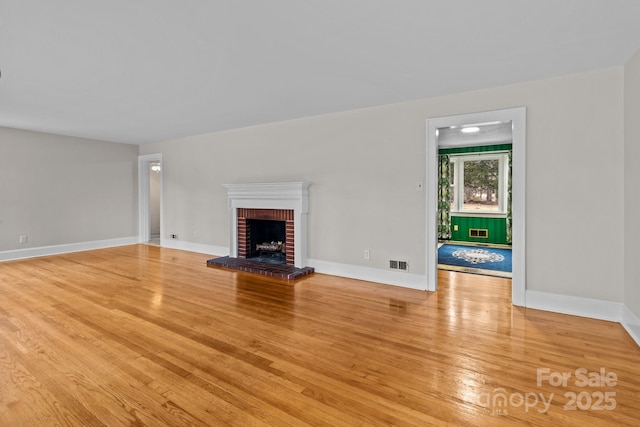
x=473 y=259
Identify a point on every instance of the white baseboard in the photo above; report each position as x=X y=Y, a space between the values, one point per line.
x=577 y=306
x=388 y=277
x=587 y=307
x=407 y=280
x=66 y=248
x=631 y=323
x=194 y=247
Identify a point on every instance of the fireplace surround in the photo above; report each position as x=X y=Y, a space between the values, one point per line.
x=283 y=201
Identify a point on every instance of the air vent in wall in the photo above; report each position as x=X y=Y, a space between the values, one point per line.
x=479 y=233
x=398 y=265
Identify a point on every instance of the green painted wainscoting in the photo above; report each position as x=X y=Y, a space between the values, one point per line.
x=497 y=229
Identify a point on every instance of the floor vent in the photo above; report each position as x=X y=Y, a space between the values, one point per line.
x=479 y=233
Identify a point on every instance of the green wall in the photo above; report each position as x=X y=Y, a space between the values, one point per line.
x=476 y=149
x=497 y=229
x=497 y=226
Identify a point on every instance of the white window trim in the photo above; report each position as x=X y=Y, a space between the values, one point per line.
x=503 y=166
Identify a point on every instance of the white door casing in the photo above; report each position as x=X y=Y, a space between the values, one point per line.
x=517 y=116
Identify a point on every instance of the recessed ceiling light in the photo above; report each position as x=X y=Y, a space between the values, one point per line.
x=497 y=122
x=470 y=129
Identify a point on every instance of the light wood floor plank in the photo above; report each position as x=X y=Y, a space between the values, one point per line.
x=141 y=335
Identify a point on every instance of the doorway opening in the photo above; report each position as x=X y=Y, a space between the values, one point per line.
x=150 y=199
x=494 y=140
x=155 y=169
x=474 y=198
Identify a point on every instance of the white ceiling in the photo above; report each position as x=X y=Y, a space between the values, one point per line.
x=492 y=133
x=138 y=71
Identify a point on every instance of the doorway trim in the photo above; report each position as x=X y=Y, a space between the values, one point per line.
x=144 y=169
x=517 y=116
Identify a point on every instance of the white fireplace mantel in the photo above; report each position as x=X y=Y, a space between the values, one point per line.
x=272 y=195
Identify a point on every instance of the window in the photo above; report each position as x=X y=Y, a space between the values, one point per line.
x=478 y=183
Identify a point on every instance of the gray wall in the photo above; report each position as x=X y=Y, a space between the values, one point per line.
x=59 y=190
x=364 y=166
x=632 y=185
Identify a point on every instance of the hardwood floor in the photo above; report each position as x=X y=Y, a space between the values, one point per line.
x=142 y=335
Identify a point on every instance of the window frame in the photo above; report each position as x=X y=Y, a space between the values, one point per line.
x=457 y=187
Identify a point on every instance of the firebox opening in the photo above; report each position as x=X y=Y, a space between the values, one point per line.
x=268 y=240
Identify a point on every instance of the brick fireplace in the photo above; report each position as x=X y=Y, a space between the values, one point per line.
x=285 y=202
x=273 y=243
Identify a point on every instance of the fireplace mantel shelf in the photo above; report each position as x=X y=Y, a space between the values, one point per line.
x=269 y=190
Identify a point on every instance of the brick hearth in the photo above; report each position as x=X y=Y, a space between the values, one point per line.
x=288 y=272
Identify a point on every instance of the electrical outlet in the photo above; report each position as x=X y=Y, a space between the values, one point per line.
x=23 y=239
x=367 y=254
x=174 y=236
